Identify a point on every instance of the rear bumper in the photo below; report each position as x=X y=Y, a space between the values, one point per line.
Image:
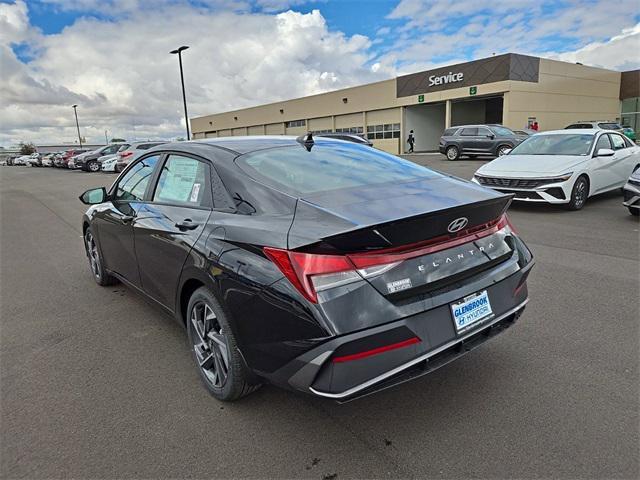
x=317 y=371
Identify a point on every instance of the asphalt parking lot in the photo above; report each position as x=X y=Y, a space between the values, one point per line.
x=96 y=382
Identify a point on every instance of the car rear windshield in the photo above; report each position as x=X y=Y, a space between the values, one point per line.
x=558 y=144
x=609 y=126
x=503 y=131
x=297 y=171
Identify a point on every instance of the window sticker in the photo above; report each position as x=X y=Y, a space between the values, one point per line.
x=177 y=182
x=194 y=192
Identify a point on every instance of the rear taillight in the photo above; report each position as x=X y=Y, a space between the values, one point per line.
x=311 y=273
x=125 y=154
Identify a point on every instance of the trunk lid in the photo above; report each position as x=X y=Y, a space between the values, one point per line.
x=386 y=216
x=408 y=225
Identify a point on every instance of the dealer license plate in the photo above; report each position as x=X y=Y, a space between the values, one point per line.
x=471 y=310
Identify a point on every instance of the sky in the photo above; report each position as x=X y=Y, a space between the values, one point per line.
x=111 y=57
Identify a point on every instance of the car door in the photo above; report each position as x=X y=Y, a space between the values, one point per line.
x=485 y=140
x=601 y=169
x=115 y=222
x=624 y=158
x=468 y=140
x=170 y=223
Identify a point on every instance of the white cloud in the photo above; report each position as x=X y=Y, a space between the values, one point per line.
x=438 y=32
x=118 y=69
x=124 y=80
x=14 y=22
x=621 y=52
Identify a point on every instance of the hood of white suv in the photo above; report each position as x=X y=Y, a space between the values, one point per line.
x=531 y=165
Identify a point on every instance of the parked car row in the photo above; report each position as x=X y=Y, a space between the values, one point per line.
x=110 y=158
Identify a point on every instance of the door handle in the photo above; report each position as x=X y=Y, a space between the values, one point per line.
x=187 y=224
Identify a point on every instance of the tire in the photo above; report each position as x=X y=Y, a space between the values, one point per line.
x=96 y=264
x=214 y=348
x=634 y=211
x=93 y=166
x=501 y=150
x=452 y=152
x=579 y=194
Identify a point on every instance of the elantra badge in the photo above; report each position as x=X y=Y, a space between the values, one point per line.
x=458 y=224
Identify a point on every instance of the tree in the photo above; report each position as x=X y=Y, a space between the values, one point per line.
x=118 y=140
x=27 y=148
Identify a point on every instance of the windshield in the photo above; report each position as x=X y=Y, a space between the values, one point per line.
x=296 y=171
x=560 y=144
x=502 y=131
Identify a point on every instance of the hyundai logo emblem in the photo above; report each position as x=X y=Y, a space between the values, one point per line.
x=458 y=224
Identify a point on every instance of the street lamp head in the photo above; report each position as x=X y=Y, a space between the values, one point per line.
x=74 y=106
x=178 y=50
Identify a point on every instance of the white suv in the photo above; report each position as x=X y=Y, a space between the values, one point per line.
x=597 y=125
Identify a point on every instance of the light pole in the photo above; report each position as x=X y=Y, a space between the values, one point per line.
x=184 y=97
x=106 y=141
x=75 y=107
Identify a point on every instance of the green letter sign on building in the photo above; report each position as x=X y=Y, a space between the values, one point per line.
x=420 y=98
x=473 y=90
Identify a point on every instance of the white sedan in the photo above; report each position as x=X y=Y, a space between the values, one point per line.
x=108 y=163
x=563 y=167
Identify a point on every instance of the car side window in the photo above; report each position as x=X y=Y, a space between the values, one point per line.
x=469 y=132
x=111 y=149
x=484 y=132
x=603 y=142
x=617 y=141
x=183 y=180
x=132 y=186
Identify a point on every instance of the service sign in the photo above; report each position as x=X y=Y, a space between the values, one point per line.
x=444 y=79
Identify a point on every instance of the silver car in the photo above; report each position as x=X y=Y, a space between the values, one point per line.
x=127 y=155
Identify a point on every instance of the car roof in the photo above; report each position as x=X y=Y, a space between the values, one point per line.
x=583 y=131
x=595 y=121
x=245 y=144
x=133 y=144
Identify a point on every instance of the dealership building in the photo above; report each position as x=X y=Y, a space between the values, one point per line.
x=510 y=89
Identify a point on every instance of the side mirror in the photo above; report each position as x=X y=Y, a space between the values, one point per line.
x=491 y=136
x=94 y=196
x=605 y=152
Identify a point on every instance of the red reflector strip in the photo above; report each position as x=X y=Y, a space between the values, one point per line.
x=375 y=351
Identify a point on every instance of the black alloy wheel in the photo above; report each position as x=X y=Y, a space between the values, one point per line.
x=214 y=348
x=210 y=344
x=95 y=261
x=579 y=194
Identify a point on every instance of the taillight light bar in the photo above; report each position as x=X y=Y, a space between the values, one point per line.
x=125 y=154
x=310 y=273
x=375 y=351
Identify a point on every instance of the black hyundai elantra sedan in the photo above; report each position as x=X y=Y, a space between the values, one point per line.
x=318 y=265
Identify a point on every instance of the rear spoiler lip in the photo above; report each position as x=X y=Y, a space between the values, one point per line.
x=500 y=197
